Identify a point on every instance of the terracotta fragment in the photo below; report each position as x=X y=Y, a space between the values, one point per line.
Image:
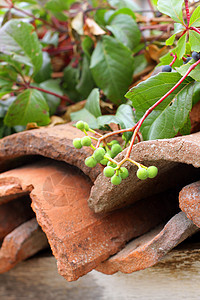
x=189 y=201
x=23 y=242
x=151 y=247
x=54 y=142
x=80 y=239
x=13 y=214
x=177 y=159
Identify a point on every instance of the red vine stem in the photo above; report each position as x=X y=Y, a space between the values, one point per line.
x=187 y=12
x=65 y=98
x=138 y=125
x=195 y=29
x=174 y=59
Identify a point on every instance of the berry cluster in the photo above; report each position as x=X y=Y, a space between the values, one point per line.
x=105 y=154
x=195 y=56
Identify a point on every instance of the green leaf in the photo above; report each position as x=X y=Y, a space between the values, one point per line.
x=52 y=85
x=194 y=40
x=29 y=106
x=196 y=93
x=172 y=8
x=125 y=29
x=186 y=127
x=112 y=73
x=50 y=38
x=178 y=27
x=195 y=18
x=87 y=46
x=92 y=104
x=171 y=114
x=70 y=81
x=124 y=3
x=18 y=40
x=46 y=69
x=181 y=46
x=86 y=82
x=124 y=11
x=58 y=5
x=167 y=59
x=85 y=116
x=170 y=40
x=106 y=120
x=140 y=63
x=125 y=114
x=195 y=74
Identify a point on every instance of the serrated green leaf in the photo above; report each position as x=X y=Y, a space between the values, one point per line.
x=125 y=29
x=167 y=59
x=178 y=27
x=195 y=18
x=194 y=40
x=110 y=72
x=124 y=3
x=170 y=40
x=125 y=114
x=107 y=119
x=58 y=5
x=18 y=40
x=85 y=116
x=29 y=106
x=87 y=45
x=181 y=46
x=86 y=82
x=46 y=69
x=195 y=74
x=196 y=93
x=170 y=115
x=70 y=81
x=52 y=85
x=124 y=11
x=172 y=8
x=186 y=127
x=92 y=103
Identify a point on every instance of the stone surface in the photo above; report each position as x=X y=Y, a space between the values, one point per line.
x=189 y=201
x=177 y=159
x=13 y=214
x=21 y=243
x=80 y=239
x=54 y=142
x=150 y=248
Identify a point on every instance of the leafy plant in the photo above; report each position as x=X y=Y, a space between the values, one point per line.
x=55 y=55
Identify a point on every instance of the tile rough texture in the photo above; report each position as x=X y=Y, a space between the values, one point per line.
x=177 y=159
x=23 y=242
x=189 y=201
x=79 y=238
x=150 y=248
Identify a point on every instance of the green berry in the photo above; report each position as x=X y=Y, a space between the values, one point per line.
x=86 y=126
x=142 y=173
x=99 y=154
x=123 y=173
x=86 y=141
x=113 y=142
x=109 y=153
x=104 y=161
x=77 y=143
x=108 y=171
x=111 y=164
x=152 y=171
x=90 y=162
x=80 y=125
x=115 y=179
x=116 y=149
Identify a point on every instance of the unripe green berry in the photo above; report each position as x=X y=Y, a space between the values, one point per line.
x=123 y=173
x=90 y=162
x=77 y=143
x=109 y=153
x=108 y=171
x=152 y=171
x=104 y=161
x=111 y=164
x=86 y=126
x=86 y=141
x=99 y=154
x=116 y=179
x=113 y=142
x=142 y=173
x=80 y=125
x=116 y=149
